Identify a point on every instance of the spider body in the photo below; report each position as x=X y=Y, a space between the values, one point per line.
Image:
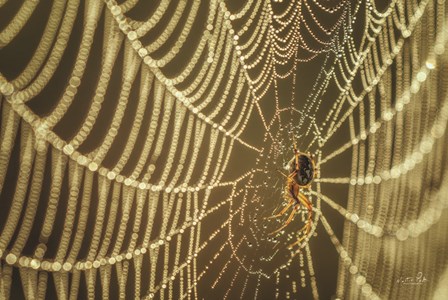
x=305 y=171
x=302 y=171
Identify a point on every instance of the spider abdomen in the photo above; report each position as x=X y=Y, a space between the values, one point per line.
x=305 y=173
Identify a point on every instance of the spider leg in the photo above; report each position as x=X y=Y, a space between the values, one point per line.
x=296 y=155
x=297 y=242
x=307 y=227
x=291 y=216
x=292 y=175
x=282 y=212
x=304 y=228
x=295 y=253
x=282 y=173
x=304 y=200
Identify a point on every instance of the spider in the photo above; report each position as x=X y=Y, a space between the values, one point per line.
x=302 y=170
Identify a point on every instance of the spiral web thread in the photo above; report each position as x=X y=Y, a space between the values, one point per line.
x=147 y=209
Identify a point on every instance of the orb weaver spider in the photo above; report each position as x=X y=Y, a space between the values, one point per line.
x=302 y=170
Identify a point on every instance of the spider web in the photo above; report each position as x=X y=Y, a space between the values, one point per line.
x=149 y=169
